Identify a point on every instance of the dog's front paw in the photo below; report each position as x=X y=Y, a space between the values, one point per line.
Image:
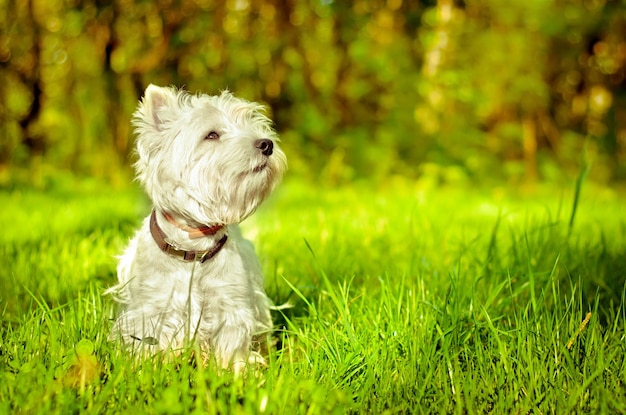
x=242 y=361
x=233 y=351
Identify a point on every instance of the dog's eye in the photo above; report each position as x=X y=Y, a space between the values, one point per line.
x=212 y=136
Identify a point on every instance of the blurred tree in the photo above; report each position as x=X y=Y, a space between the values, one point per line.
x=366 y=88
x=491 y=77
x=22 y=86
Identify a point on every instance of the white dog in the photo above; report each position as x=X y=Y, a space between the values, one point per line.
x=188 y=276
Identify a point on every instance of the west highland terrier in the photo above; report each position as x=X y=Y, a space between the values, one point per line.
x=188 y=276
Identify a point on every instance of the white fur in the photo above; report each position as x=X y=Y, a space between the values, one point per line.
x=219 y=304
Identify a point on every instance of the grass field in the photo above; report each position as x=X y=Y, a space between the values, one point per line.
x=405 y=300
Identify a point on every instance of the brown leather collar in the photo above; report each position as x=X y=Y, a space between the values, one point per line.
x=189 y=256
x=194 y=233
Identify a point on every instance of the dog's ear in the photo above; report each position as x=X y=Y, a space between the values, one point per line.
x=154 y=100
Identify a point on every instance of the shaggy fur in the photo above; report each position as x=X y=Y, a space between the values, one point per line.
x=203 y=160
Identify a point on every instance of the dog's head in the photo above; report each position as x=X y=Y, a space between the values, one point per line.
x=209 y=159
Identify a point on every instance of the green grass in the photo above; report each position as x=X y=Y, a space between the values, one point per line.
x=404 y=300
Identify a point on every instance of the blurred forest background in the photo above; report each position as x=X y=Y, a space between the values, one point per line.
x=516 y=90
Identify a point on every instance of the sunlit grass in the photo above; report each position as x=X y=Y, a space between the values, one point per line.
x=402 y=300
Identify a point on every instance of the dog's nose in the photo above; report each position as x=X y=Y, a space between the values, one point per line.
x=265 y=145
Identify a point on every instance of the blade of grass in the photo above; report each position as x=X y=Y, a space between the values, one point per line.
x=585 y=167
